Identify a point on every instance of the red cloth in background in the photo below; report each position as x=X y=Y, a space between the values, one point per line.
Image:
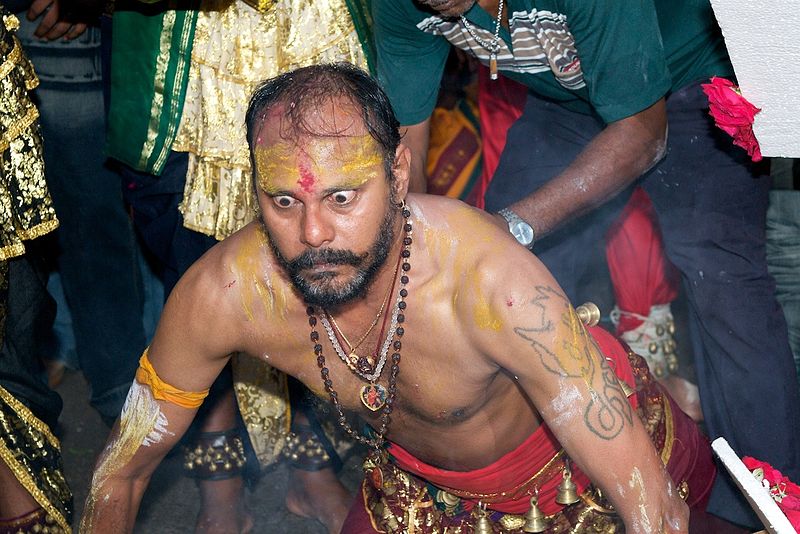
x=500 y=103
x=640 y=271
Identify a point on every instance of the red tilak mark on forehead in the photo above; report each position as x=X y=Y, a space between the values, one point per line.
x=307 y=179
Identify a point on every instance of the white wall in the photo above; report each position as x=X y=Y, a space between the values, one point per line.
x=763 y=39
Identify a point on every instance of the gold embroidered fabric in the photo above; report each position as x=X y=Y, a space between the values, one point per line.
x=26 y=210
x=33 y=454
x=235 y=48
x=264 y=404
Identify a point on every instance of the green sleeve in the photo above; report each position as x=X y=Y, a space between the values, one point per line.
x=621 y=53
x=410 y=61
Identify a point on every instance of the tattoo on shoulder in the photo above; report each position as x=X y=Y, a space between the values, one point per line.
x=575 y=355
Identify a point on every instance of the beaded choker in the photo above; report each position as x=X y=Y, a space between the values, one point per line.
x=373 y=395
x=353 y=358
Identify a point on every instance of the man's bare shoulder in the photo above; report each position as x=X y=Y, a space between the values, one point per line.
x=488 y=279
x=233 y=288
x=468 y=241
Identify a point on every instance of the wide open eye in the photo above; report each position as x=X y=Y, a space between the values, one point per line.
x=284 y=201
x=342 y=198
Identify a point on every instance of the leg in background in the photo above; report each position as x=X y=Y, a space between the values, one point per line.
x=711 y=205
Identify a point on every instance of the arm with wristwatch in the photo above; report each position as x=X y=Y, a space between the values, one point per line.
x=616 y=157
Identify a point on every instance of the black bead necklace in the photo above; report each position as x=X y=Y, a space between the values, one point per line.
x=386 y=411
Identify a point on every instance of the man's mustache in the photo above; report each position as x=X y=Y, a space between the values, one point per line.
x=312 y=258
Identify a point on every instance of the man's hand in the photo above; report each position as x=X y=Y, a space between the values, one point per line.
x=53 y=26
x=616 y=157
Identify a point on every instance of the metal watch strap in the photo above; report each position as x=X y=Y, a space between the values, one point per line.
x=517 y=223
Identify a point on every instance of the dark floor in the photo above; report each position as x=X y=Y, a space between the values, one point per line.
x=170 y=504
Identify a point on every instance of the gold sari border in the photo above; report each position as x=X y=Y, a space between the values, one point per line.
x=157 y=104
x=176 y=103
x=20 y=473
x=669 y=431
x=12 y=60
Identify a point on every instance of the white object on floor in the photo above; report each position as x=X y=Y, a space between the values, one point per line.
x=758 y=496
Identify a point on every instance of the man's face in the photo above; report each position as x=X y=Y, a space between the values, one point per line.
x=449 y=8
x=326 y=206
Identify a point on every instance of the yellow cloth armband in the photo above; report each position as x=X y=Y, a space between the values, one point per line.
x=145 y=374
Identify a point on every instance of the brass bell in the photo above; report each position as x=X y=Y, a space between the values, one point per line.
x=672 y=363
x=535 y=520
x=627 y=390
x=588 y=313
x=567 y=490
x=483 y=525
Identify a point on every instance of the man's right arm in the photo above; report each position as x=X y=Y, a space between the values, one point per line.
x=410 y=66
x=192 y=344
x=134 y=449
x=416 y=138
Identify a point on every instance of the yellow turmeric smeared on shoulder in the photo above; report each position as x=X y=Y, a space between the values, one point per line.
x=146 y=375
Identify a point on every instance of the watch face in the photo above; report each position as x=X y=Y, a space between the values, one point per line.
x=523 y=232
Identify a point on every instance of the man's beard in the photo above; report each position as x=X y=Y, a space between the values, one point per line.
x=319 y=289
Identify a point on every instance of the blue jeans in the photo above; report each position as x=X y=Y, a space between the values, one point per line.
x=711 y=205
x=98 y=256
x=783 y=257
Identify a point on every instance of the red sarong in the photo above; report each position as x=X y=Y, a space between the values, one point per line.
x=515 y=468
x=685 y=452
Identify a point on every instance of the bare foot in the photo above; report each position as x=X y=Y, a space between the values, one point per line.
x=685 y=394
x=15 y=501
x=318 y=495
x=222 y=508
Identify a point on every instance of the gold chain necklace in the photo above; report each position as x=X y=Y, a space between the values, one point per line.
x=368 y=369
x=373 y=395
x=351 y=348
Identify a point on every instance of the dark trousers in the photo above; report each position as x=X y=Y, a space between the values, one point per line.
x=98 y=256
x=29 y=313
x=711 y=204
x=154 y=201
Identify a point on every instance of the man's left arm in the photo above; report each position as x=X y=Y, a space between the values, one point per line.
x=626 y=75
x=556 y=362
x=616 y=157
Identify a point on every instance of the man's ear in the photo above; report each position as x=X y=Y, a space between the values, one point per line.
x=402 y=171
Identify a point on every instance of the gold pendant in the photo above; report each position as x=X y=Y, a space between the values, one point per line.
x=493 y=66
x=373 y=397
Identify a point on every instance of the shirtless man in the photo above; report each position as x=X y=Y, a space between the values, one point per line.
x=397 y=307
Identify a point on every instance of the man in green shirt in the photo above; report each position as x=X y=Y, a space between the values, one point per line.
x=607 y=81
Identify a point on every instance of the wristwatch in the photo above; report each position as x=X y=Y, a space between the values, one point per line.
x=522 y=231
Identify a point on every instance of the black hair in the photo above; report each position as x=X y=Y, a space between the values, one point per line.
x=308 y=88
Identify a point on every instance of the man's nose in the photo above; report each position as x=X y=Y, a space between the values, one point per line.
x=317 y=229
